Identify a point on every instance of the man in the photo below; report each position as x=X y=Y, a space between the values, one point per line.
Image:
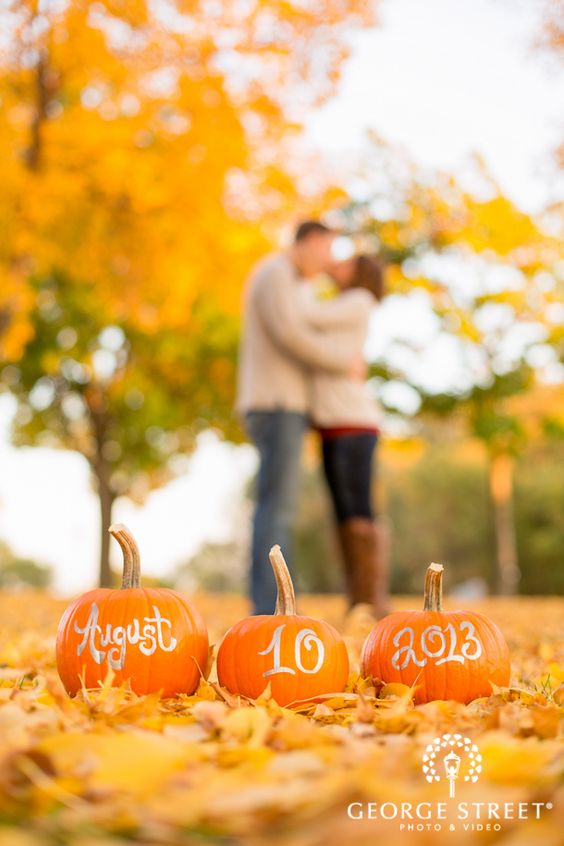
x=277 y=350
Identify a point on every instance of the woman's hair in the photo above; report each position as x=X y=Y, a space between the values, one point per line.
x=369 y=274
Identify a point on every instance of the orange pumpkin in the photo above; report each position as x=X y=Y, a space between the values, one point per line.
x=299 y=657
x=444 y=654
x=153 y=638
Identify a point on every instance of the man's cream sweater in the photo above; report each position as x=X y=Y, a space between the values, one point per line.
x=279 y=347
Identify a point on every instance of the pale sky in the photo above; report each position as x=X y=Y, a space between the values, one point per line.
x=443 y=78
x=446 y=78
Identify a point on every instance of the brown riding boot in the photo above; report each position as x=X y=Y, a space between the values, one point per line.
x=365 y=547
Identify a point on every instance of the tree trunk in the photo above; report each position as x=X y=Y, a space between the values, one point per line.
x=106 y=498
x=501 y=492
x=97 y=405
x=34 y=151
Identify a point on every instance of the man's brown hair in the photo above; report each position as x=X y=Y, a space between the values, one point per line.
x=309 y=227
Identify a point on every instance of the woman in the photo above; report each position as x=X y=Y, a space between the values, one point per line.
x=347 y=420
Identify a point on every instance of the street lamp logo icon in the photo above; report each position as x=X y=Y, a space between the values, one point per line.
x=447 y=755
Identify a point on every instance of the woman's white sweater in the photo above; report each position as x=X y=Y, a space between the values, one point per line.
x=336 y=399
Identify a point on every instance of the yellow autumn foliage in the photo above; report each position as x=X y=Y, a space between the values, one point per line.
x=136 y=159
x=110 y=768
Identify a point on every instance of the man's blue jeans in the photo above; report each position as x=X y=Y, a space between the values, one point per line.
x=278 y=437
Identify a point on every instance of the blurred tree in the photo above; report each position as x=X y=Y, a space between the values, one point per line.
x=554 y=24
x=140 y=150
x=437 y=511
x=216 y=567
x=318 y=563
x=539 y=502
x=139 y=142
x=21 y=572
x=492 y=279
x=552 y=38
x=433 y=489
x=132 y=405
x=501 y=412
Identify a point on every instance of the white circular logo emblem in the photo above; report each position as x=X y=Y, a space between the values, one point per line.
x=452 y=756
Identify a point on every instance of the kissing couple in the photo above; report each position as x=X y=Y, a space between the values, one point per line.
x=301 y=366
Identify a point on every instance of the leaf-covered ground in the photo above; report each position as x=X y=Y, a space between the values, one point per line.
x=111 y=768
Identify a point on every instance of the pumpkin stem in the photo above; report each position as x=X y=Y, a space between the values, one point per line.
x=433 y=596
x=131 y=559
x=286 y=599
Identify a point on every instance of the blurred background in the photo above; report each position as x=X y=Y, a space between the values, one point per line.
x=150 y=152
